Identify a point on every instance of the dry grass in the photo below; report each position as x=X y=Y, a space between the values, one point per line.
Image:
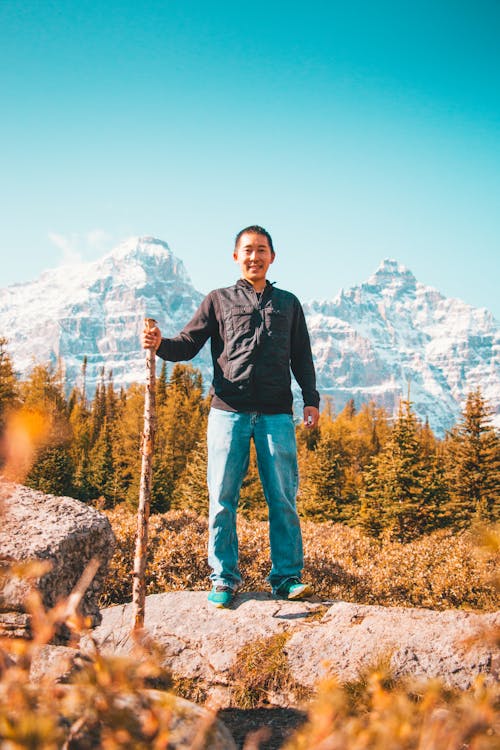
x=439 y=571
x=260 y=670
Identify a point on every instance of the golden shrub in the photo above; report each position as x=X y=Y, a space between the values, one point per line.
x=377 y=714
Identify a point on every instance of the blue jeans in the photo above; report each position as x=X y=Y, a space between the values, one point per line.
x=229 y=435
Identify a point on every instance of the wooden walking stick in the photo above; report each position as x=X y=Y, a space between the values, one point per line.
x=141 y=545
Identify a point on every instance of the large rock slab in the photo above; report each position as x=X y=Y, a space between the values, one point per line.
x=201 y=643
x=198 y=641
x=59 y=530
x=420 y=643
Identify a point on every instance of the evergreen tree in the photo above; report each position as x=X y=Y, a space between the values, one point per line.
x=128 y=434
x=110 y=401
x=80 y=446
x=161 y=386
x=394 y=495
x=192 y=490
x=101 y=468
x=84 y=380
x=321 y=493
x=472 y=453
x=52 y=471
x=435 y=493
x=331 y=464
x=181 y=422
x=349 y=410
x=43 y=391
x=52 y=468
x=8 y=384
x=98 y=409
x=372 y=432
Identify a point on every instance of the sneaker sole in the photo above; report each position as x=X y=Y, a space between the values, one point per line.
x=220 y=605
x=302 y=594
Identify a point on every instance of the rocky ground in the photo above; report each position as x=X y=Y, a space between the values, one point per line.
x=202 y=645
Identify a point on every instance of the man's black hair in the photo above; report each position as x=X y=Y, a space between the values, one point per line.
x=255 y=229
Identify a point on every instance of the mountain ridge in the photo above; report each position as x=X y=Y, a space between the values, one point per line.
x=369 y=341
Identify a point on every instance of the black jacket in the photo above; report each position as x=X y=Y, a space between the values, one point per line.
x=254 y=344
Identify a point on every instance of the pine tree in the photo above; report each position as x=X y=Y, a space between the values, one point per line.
x=98 y=408
x=349 y=410
x=110 y=401
x=394 y=497
x=161 y=386
x=181 y=422
x=43 y=391
x=472 y=453
x=372 y=431
x=84 y=380
x=435 y=493
x=321 y=491
x=53 y=471
x=102 y=469
x=332 y=460
x=192 y=490
x=43 y=394
x=128 y=433
x=80 y=446
x=8 y=384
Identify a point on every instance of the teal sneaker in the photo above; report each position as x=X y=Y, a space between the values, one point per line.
x=221 y=596
x=293 y=589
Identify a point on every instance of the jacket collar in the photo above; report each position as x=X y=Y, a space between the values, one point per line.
x=246 y=284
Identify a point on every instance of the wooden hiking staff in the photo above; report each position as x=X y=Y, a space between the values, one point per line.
x=147 y=447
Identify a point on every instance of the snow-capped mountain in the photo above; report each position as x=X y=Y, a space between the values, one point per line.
x=368 y=342
x=390 y=333
x=98 y=309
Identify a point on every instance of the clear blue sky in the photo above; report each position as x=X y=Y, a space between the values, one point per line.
x=352 y=130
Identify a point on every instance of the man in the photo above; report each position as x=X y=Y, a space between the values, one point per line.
x=257 y=334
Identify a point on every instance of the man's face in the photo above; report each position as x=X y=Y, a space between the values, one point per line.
x=254 y=256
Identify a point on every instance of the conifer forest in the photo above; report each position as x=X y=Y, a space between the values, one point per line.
x=362 y=467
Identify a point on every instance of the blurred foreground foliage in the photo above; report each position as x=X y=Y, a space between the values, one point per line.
x=95 y=701
x=374 y=713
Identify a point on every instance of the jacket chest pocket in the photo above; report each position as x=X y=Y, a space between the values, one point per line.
x=243 y=319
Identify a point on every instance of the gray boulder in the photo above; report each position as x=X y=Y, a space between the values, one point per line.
x=61 y=531
x=200 y=643
x=420 y=643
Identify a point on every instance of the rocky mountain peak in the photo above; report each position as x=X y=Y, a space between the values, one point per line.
x=149 y=254
x=391 y=280
x=141 y=247
x=368 y=342
x=97 y=310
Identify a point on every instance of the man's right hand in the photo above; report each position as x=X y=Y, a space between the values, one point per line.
x=151 y=338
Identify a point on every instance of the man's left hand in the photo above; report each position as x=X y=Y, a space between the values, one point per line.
x=311 y=416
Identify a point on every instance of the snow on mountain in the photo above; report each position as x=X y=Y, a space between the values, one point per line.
x=97 y=309
x=374 y=340
x=368 y=342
